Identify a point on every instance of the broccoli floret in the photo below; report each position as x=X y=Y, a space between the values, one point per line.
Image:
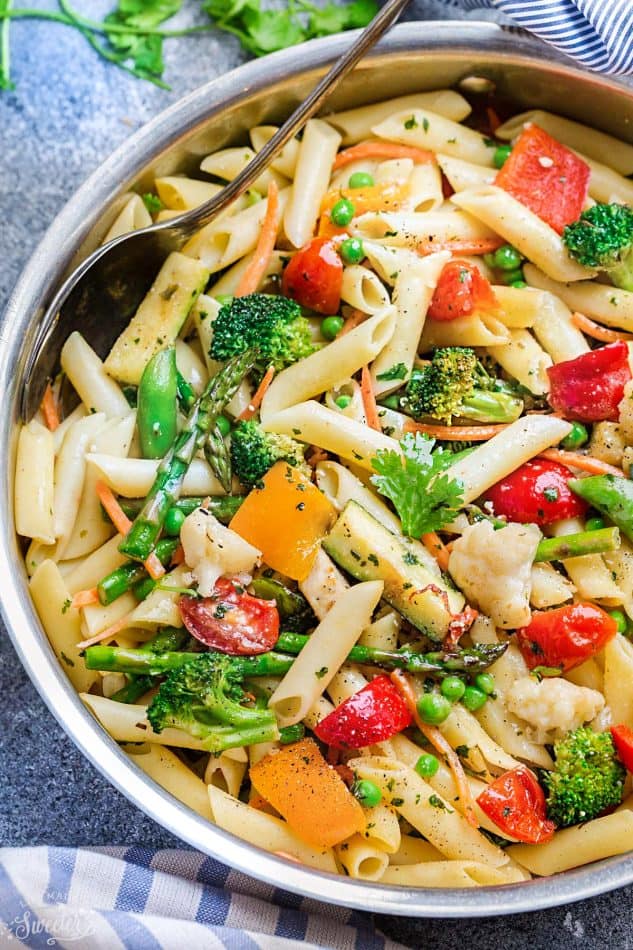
x=587 y=779
x=455 y=384
x=272 y=324
x=204 y=698
x=254 y=451
x=603 y=237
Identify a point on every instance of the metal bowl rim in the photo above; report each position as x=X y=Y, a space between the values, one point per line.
x=56 y=249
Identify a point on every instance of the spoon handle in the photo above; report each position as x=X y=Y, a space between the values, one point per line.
x=204 y=213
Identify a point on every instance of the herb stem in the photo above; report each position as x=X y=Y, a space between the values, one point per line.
x=75 y=19
x=5 y=47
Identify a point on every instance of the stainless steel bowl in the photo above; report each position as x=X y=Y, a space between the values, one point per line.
x=414 y=57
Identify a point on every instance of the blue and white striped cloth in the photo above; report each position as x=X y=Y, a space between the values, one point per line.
x=598 y=34
x=142 y=899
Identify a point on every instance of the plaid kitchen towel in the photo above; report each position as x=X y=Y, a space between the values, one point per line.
x=144 y=899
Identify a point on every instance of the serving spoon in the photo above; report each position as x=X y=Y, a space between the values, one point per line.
x=103 y=292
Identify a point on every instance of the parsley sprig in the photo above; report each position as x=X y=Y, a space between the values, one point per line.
x=424 y=496
x=131 y=37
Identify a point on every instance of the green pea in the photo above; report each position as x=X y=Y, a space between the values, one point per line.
x=352 y=250
x=290 y=734
x=174 y=521
x=501 y=155
x=452 y=688
x=489 y=259
x=433 y=708
x=367 y=793
x=343 y=401
x=331 y=327
x=576 y=438
x=342 y=213
x=594 y=524
x=223 y=425
x=509 y=277
x=519 y=284
x=507 y=258
x=486 y=683
x=473 y=698
x=391 y=402
x=360 y=180
x=427 y=765
x=620 y=619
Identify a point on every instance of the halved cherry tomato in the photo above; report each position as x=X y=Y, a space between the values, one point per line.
x=314 y=276
x=373 y=714
x=537 y=492
x=623 y=741
x=461 y=291
x=546 y=177
x=231 y=620
x=516 y=803
x=590 y=387
x=565 y=637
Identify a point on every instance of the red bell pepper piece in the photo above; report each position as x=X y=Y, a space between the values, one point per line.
x=537 y=492
x=373 y=714
x=314 y=276
x=590 y=387
x=546 y=177
x=623 y=741
x=516 y=803
x=461 y=291
x=231 y=620
x=565 y=637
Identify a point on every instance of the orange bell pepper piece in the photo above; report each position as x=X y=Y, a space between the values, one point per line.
x=309 y=794
x=286 y=519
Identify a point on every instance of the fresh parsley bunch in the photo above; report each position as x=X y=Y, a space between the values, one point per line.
x=423 y=494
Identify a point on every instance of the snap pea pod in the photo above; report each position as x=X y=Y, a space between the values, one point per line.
x=275 y=663
x=611 y=495
x=169 y=638
x=123 y=578
x=222 y=507
x=144 y=533
x=157 y=406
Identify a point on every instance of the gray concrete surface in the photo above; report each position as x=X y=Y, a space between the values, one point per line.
x=69 y=111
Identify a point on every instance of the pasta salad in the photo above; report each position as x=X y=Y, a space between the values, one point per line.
x=337 y=542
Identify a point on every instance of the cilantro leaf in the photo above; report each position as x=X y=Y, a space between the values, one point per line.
x=398 y=371
x=144 y=49
x=424 y=496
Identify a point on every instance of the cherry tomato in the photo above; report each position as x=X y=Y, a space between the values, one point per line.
x=537 y=493
x=546 y=177
x=461 y=291
x=374 y=714
x=623 y=741
x=314 y=276
x=231 y=620
x=590 y=387
x=516 y=803
x=565 y=637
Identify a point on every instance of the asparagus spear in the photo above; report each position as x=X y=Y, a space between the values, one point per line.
x=169 y=638
x=577 y=545
x=185 y=392
x=274 y=663
x=218 y=457
x=223 y=507
x=123 y=578
x=144 y=533
x=611 y=495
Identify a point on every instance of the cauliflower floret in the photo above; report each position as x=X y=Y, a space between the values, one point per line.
x=494 y=570
x=626 y=414
x=553 y=707
x=212 y=550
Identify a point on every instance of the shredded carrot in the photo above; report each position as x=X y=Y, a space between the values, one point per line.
x=369 y=400
x=106 y=634
x=153 y=567
x=459 y=433
x=83 y=598
x=49 y=409
x=493 y=119
x=288 y=857
x=378 y=149
x=440 y=744
x=598 y=332
x=585 y=463
x=112 y=508
x=256 y=401
x=470 y=246
x=178 y=556
x=354 y=320
x=256 y=270
x=435 y=546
